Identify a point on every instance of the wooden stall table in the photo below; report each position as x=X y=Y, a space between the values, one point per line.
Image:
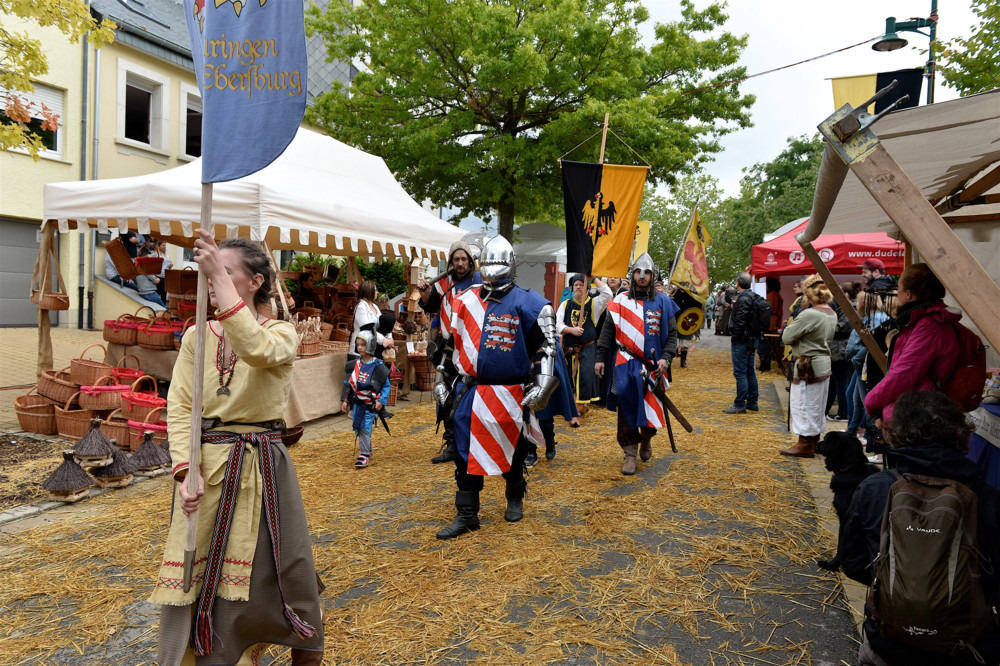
x=317 y=381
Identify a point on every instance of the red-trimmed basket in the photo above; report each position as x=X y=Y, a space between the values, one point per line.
x=56 y=385
x=126 y=375
x=116 y=428
x=85 y=371
x=103 y=395
x=35 y=413
x=137 y=404
x=149 y=424
x=149 y=265
x=120 y=331
x=157 y=334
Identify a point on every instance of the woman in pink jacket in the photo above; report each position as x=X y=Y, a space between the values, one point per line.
x=924 y=351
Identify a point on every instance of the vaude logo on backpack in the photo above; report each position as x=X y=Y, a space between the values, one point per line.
x=927 y=592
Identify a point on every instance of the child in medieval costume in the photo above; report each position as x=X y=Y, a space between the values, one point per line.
x=253 y=581
x=366 y=390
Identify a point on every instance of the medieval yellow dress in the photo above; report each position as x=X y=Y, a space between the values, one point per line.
x=252 y=605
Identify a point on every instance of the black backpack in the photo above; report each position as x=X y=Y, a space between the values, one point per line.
x=758 y=317
x=926 y=592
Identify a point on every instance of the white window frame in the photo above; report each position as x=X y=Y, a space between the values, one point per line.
x=131 y=74
x=190 y=99
x=53 y=98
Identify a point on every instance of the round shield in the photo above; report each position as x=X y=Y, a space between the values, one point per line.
x=689 y=321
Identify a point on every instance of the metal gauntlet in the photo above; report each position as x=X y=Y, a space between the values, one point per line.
x=440 y=387
x=545 y=381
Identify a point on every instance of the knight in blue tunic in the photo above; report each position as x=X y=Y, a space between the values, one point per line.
x=641 y=332
x=502 y=344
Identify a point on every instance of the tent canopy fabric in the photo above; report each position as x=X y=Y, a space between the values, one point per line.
x=842 y=253
x=948 y=150
x=320 y=195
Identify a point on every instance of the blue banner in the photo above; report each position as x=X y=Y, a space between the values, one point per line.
x=250 y=62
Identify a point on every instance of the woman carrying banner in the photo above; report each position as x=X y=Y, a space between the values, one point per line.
x=254 y=581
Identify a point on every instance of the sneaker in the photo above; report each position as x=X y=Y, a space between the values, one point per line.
x=835 y=418
x=734 y=410
x=753 y=408
x=877 y=459
x=531 y=460
x=361 y=462
x=550 y=452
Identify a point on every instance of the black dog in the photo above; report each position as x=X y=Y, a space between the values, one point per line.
x=846 y=459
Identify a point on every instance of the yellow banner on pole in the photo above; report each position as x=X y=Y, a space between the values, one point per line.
x=641 y=243
x=691 y=271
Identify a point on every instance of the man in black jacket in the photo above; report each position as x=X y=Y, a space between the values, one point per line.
x=928 y=435
x=743 y=346
x=874 y=277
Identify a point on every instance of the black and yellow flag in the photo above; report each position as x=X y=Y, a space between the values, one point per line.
x=602 y=208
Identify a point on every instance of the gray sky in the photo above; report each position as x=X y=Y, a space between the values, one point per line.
x=795 y=100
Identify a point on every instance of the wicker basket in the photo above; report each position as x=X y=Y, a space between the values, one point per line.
x=308 y=348
x=120 y=331
x=152 y=423
x=72 y=424
x=333 y=347
x=308 y=309
x=56 y=385
x=393 y=393
x=84 y=371
x=342 y=333
x=43 y=297
x=149 y=265
x=120 y=258
x=35 y=413
x=157 y=334
x=326 y=332
x=185 y=305
x=137 y=404
x=424 y=372
x=124 y=374
x=102 y=395
x=116 y=428
x=180 y=281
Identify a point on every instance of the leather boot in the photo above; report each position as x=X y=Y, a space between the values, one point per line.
x=515 y=501
x=467 y=517
x=646 y=446
x=804 y=448
x=628 y=467
x=306 y=657
x=684 y=361
x=449 y=451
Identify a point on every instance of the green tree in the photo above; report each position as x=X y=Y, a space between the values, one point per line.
x=669 y=216
x=22 y=60
x=771 y=195
x=472 y=102
x=388 y=275
x=972 y=65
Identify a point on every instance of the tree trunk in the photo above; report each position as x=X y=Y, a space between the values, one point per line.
x=506 y=212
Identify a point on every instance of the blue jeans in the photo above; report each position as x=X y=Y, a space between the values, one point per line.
x=153 y=297
x=746 y=375
x=856 y=395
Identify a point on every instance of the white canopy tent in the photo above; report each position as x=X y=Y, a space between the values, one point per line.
x=320 y=196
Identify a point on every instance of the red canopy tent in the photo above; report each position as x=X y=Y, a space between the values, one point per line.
x=842 y=253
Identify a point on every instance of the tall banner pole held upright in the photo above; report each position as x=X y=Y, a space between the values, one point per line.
x=197 y=394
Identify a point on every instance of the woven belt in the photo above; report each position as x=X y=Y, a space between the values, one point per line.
x=213 y=423
x=223 y=524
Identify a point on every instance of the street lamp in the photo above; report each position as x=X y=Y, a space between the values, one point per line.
x=891 y=41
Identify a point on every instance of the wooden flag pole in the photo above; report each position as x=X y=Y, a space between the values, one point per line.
x=278 y=281
x=604 y=136
x=197 y=389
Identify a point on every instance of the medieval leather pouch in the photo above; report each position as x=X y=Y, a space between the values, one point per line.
x=804 y=368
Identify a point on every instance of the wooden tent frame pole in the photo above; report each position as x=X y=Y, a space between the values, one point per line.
x=604 y=137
